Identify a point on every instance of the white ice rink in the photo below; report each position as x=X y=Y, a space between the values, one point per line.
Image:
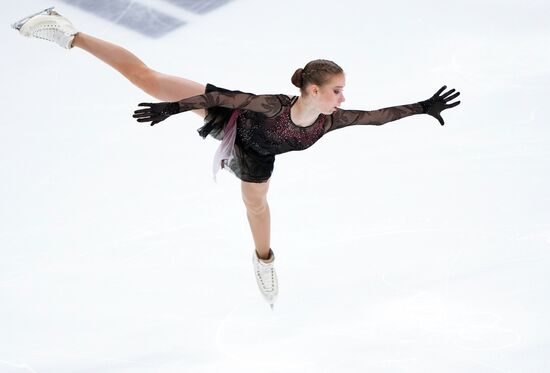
x=408 y=247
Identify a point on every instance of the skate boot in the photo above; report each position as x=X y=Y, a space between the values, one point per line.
x=266 y=277
x=47 y=25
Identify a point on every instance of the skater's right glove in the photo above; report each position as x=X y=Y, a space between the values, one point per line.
x=156 y=112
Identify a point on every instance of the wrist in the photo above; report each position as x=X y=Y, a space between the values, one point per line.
x=171 y=108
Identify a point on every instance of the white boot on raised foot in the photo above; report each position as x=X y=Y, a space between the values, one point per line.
x=47 y=25
x=266 y=277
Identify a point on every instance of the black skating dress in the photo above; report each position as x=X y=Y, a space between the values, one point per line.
x=264 y=127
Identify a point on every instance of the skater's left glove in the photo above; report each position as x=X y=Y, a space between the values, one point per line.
x=439 y=102
x=156 y=112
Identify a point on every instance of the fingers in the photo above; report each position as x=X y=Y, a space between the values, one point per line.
x=444 y=95
x=144 y=113
x=148 y=115
x=146 y=119
x=447 y=95
x=450 y=98
x=447 y=99
x=440 y=90
x=452 y=105
x=453 y=97
x=141 y=114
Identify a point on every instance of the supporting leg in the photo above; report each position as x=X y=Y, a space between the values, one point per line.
x=257 y=211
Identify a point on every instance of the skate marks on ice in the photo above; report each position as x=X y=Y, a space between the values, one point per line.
x=13 y=367
x=461 y=295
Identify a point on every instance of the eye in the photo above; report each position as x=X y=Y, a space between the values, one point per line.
x=337 y=92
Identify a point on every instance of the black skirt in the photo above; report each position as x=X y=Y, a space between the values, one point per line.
x=245 y=163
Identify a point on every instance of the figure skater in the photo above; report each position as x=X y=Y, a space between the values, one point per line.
x=253 y=129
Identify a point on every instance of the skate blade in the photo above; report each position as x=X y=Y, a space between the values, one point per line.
x=17 y=25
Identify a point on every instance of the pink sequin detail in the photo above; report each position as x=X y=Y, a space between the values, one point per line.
x=293 y=136
x=224 y=152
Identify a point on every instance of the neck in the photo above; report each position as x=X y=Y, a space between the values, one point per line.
x=303 y=113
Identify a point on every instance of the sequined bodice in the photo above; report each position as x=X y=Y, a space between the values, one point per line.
x=277 y=134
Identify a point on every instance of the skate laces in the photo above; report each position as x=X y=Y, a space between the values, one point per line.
x=266 y=272
x=47 y=32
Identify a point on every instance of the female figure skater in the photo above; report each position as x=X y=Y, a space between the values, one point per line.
x=252 y=128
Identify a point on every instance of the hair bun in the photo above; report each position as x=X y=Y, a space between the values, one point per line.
x=317 y=72
x=298 y=78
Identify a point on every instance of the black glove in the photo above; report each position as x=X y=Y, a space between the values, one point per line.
x=156 y=112
x=437 y=103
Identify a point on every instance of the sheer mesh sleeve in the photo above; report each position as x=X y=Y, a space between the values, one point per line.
x=345 y=118
x=269 y=105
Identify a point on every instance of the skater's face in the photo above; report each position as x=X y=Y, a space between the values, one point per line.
x=330 y=95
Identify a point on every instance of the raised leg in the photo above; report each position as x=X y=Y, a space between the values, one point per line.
x=257 y=211
x=161 y=86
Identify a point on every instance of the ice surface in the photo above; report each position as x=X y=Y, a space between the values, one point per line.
x=408 y=247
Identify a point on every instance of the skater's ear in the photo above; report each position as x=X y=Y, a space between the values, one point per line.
x=313 y=89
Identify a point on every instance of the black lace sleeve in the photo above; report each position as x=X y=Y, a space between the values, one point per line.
x=344 y=118
x=269 y=105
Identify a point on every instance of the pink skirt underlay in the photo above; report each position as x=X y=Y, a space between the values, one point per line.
x=224 y=154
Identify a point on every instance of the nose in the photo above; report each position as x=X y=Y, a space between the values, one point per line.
x=342 y=98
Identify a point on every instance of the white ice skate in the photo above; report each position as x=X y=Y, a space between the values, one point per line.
x=47 y=25
x=266 y=277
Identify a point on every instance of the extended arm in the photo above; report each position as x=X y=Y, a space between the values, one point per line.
x=433 y=106
x=269 y=105
x=344 y=118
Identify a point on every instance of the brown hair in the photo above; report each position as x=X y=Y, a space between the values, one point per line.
x=315 y=72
